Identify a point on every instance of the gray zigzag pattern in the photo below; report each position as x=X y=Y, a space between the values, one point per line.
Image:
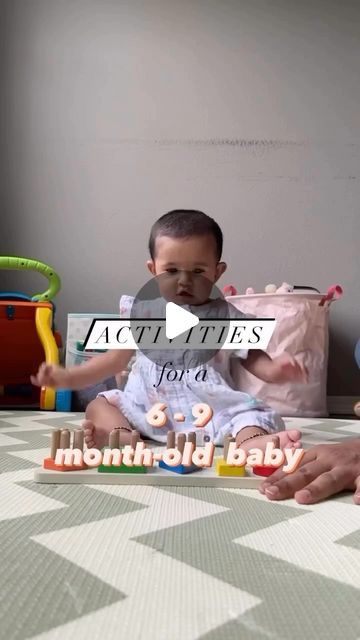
x=41 y=590
x=296 y=603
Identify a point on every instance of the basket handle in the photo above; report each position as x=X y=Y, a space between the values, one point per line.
x=333 y=293
x=298 y=286
x=229 y=290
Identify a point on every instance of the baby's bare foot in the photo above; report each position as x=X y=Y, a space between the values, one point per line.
x=290 y=439
x=95 y=437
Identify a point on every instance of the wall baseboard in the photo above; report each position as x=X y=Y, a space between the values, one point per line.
x=342 y=405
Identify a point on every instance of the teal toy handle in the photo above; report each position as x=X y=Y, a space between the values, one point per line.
x=27 y=264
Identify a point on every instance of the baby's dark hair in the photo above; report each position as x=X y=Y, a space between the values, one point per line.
x=183 y=223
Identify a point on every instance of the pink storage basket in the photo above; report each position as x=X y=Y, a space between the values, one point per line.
x=302 y=329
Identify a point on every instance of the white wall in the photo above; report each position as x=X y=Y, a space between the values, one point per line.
x=115 y=112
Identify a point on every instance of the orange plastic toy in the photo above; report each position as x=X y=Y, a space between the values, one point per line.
x=27 y=338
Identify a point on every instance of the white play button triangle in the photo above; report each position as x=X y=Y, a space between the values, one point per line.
x=178 y=320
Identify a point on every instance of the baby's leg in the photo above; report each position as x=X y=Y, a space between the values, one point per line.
x=101 y=418
x=254 y=436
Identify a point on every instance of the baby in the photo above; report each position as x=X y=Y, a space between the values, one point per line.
x=185 y=249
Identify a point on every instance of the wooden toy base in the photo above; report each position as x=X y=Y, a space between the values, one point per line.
x=155 y=476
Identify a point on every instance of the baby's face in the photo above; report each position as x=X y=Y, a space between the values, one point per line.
x=188 y=268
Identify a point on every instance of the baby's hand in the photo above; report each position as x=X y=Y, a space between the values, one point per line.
x=286 y=368
x=51 y=375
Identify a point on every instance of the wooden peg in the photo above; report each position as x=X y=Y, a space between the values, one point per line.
x=78 y=442
x=170 y=440
x=134 y=439
x=65 y=439
x=55 y=443
x=114 y=439
x=181 y=439
x=227 y=441
x=192 y=438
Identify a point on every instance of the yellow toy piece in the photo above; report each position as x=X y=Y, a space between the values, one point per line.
x=224 y=469
x=43 y=321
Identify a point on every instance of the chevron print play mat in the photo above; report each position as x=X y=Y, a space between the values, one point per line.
x=91 y=562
